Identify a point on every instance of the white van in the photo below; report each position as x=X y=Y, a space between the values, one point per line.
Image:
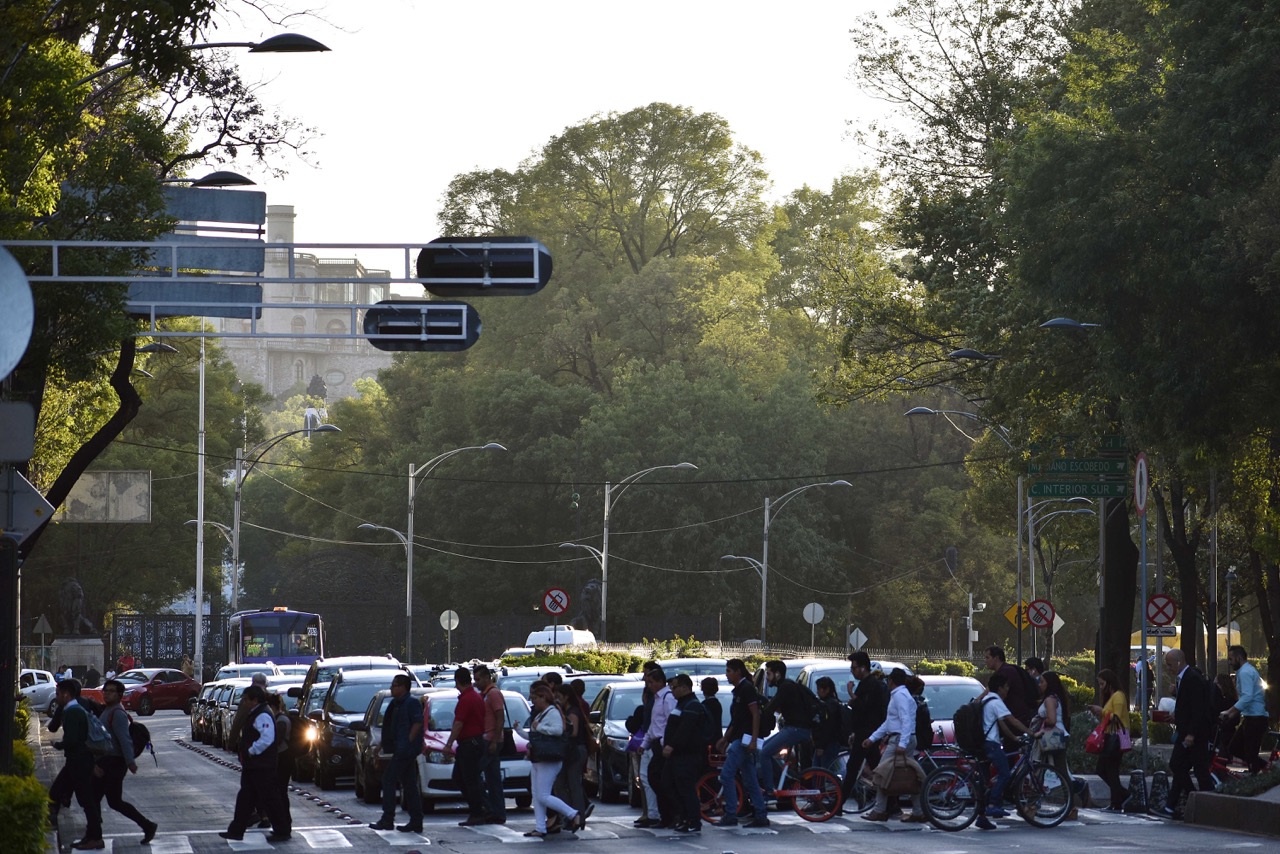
x=560 y=636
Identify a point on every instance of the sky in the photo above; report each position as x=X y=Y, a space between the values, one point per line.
x=415 y=93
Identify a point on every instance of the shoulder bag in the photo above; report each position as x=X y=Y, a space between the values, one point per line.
x=547 y=748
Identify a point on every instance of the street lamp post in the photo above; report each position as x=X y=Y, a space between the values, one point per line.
x=763 y=572
x=768 y=522
x=1231 y=579
x=424 y=471
x=242 y=471
x=604 y=578
x=1031 y=521
x=611 y=494
x=408 y=561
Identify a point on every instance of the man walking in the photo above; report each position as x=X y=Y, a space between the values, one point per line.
x=258 y=783
x=495 y=717
x=1022 y=706
x=401 y=742
x=868 y=704
x=789 y=701
x=468 y=734
x=109 y=781
x=664 y=703
x=899 y=728
x=1192 y=719
x=79 y=773
x=1249 y=708
x=684 y=750
x=740 y=745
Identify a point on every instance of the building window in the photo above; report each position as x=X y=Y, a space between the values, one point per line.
x=298 y=325
x=336 y=327
x=297 y=371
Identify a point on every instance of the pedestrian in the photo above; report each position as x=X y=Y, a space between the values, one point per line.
x=664 y=703
x=1034 y=666
x=553 y=678
x=827 y=740
x=244 y=707
x=740 y=744
x=126 y=661
x=495 y=717
x=1249 y=710
x=548 y=722
x=568 y=785
x=92 y=678
x=650 y=815
x=868 y=704
x=998 y=722
x=790 y=703
x=684 y=751
x=259 y=786
x=110 y=773
x=284 y=759
x=468 y=734
x=79 y=768
x=1192 y=722
x=1222 y=697
x=401 y=744
x=1054 y=714
x=899 y=731
x=711 y=704
x=1020 y=701
x=1114 y=703
x=188 y=666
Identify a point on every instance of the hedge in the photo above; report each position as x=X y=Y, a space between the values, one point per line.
x=948 y=667
x=24 y=814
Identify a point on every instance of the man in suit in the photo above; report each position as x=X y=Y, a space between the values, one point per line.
x=1193 y=722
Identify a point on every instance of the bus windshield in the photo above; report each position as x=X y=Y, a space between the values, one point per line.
x=283 y=637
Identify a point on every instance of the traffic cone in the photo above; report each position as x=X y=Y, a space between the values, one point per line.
x=1160 y=791
x=1137 y=800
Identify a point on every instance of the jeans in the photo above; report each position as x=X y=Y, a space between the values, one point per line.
x=495 y=794
x=650 y=796
x=468 y=758
x=741 y=762
x=998 y=758
x=402 y=770
x=787 y=736
x=543 y=777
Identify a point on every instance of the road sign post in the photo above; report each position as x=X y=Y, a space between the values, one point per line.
x=555 y=602
x=449 y=622
x=1141 y=480
x=813 y=614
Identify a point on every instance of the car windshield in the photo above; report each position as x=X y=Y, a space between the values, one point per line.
x=134 y=677
x=839 y=674
x=316 y=698
x=594 y=685
x=710 y=667
x=518 y=682
x=945 y=699
x=623 y=701
x=326 y=672
x=352 y=698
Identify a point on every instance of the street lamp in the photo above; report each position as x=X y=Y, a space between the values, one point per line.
x=1045 y=518
x=424 y=470
x=609 y=497
x=242 y=472
x=764 y=589
x=408 y=562
x=1231 y=578
x=282 y=43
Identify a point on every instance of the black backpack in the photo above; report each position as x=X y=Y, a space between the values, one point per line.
x=1030 y=689
x=971 y=737
x=924 y=725
x=812 y=705
x=141 y=738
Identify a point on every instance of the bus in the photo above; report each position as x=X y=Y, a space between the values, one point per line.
x=278 y=635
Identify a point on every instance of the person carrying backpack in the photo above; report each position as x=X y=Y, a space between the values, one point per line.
x=1023 y=691
x=828 y=729
x=78 y=772
x=792 y=702
x=684 y=747
x=868 y=705
x=109 y=782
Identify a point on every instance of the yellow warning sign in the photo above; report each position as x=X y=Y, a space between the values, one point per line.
x=1015 y=613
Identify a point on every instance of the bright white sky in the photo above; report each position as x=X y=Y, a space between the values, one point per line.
x=414 y=93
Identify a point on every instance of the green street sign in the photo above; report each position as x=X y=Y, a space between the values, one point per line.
x=1074 y=488
x=1112 y=467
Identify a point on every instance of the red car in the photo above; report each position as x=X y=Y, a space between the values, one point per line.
x=148 y=689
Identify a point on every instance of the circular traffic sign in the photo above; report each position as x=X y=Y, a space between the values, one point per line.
x=449 y=620
x=813 y=613
x=1040 y=613
x=555 y=601
x=1141 y=481
x=1161 y=609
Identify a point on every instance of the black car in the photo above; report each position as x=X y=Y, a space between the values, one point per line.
x=368 y=750
x=201 y=713
x=333 y=749
x=302 y=733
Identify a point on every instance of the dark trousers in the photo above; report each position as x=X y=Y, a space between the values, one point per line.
x=111 y=786
x=680 y=777
x=1182 y=763
x=284 y=771
x=495 y=797
x=259 y=788
x=468 y=758
x=857 y=755
x=401 y=771
x=1248 y=740
x=568 y=787
x=1109 y=771
x=81 y=782
x=662 y=786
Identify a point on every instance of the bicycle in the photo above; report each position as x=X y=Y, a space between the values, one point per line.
x=813 y=793
x=953 y=795
x=862 y=794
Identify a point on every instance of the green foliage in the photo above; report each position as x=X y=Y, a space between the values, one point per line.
x=594 y=662
x=677 y=647
x=1253 y=784
x=1078 y=667
x=25 y=812
x=948 y=667
x=24 y=760
x=22 y=717
x=1078 y=695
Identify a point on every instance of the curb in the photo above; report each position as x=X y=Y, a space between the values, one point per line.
x=1255 y=815
x=45 y=771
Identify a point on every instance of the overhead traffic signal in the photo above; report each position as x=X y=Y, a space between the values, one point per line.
x=404 y=324
x=484 y=266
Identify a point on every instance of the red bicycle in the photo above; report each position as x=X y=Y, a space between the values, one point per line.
x=814 y=793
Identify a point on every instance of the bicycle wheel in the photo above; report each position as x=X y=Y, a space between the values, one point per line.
x=816 y=795
x=862 y=795
x=1044 y=796
x=949 y=799
x=710 y=804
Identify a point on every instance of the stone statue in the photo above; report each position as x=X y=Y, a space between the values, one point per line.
x=71 y=608
x=588 y=616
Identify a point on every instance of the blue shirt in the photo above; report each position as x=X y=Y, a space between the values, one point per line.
x=403 y=714
x=1249 y=684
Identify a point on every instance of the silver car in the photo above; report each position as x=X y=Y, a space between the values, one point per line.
x=39 y=689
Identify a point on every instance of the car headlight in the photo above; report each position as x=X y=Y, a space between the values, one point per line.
x=310 y=734
x=618 y=743
x=439 y=757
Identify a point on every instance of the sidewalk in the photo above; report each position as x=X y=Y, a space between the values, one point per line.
x=48 y=763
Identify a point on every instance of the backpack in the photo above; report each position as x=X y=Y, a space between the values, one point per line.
x=100 y=741
x=1030 y=689
x=141 y=738
x=971 y=736
x=924 y=725
x=812 y=705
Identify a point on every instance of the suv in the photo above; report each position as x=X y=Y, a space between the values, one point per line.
x=324 y=669
x=348 y=698
x=245 y=671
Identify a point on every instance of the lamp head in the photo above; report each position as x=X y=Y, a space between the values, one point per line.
x=326 y=428
x=288 y=43
x=366 y=527
x=493 y=446
x=920 y=410
x=685 y=467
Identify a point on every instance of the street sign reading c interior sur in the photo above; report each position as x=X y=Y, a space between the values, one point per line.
x=555 y=601
x=1085 y=488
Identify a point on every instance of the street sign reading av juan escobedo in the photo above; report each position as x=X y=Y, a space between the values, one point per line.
x=422 y=325
x=484 y=266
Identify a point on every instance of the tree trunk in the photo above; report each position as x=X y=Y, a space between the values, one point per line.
x=1120 y=588
x=1266 y=580
x=1183 y=541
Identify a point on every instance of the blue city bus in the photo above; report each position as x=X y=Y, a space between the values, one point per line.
x=278 y=635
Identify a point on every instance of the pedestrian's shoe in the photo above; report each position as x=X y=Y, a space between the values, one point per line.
x=645 y=821
x=757 y=822
x=226 y=834
x=574 y=824
x=279 y=837
x=473 y=821
x=688 y=828
x=1074 y=815
x=383 y=824
x=89 y=845
x=149 y=832
x=1169 y=812
x=985 y=823
x=876 y=815
x=586 y=813
x=915 y=818
x=728 y=821
x=536 y=834
x=411 y=827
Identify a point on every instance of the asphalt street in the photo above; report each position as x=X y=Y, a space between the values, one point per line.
x=190 y=790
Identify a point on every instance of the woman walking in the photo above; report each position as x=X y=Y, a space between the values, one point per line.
x=1054 y=713
x=548 y=746
x=1114 y=703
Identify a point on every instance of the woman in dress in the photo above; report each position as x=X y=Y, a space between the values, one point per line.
x=550 y=721
x=1116 y=704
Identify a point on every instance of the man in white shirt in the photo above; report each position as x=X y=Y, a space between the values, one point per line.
x=664 y=702
x=900 y=726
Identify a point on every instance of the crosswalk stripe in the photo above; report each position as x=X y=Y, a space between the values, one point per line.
x=502 y=833
x=395 y=837
x=325 y=840
x=171 y=845
x=251 y=842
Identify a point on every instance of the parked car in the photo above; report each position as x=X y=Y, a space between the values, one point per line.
x=839 y=673
x=557 y=636
x=696 y=668
x=39 y=689
x=202 y=713
x=150 y=689
x=349 y=695
x=213 y=709
x=369 y=760
x=303 y=732
x=246 y=671
x=595 y=682
x=520 y=678
x=298 y=670
x=435 y=767
x=946 y=694
x=228 y=702
x=324 y=669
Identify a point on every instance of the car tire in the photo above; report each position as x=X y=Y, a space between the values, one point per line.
x=324 y=777
x=146 y=707
x=302 y=769
x=53 y=705
x=523 y=802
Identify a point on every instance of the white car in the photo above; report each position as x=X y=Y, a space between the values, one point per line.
x=39 y=689
x=435 y=767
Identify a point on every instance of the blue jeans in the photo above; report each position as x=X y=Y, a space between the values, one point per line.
x=739 y=761
x=787 y=736
x=998 y=758
x=404 y=771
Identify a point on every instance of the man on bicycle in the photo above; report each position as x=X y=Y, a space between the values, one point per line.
x=797 y=721
x=998 y=722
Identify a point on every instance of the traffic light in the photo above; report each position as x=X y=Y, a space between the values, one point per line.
x=573 y=501
x=484 y=266
x=404 y=324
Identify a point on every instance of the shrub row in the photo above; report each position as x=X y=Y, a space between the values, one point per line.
x=24 y=811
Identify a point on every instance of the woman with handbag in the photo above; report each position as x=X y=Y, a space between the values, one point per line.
x=1054 y=712
x=1115 y=712
x=548 y=746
